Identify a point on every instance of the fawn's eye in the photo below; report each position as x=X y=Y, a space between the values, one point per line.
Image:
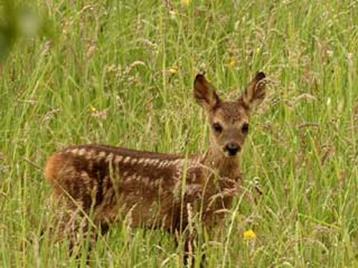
x=217 y=128
x=245 y=128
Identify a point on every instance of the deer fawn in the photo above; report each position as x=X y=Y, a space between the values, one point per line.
x=152 y=189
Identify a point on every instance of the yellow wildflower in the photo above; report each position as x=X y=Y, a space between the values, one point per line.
x=249 y=235
x=185 y=2
x=93 y=109
x=232 y=63
x=173 y=70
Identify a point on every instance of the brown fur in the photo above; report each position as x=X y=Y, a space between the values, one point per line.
x=158 y=190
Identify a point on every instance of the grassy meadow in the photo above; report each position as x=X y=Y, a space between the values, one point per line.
x=121 y=73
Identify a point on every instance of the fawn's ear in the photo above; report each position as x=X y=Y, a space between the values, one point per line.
x=204 y=93
x=255 y=92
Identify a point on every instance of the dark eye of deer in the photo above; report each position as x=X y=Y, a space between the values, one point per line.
x=245 y=128
x=217 y=128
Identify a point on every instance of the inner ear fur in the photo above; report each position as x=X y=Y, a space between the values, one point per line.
x=255 y=92
x=205 y=93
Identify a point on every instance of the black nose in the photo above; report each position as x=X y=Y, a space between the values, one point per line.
x=232 y=148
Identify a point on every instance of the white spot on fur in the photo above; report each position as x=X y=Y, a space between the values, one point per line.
x=178 y=162
x=109 y=157
x=74 y=151
x=90 y=154
x=90 y=165
x=134 y=161
x=83 y=173
x=152 y=162
x=165 y=163
x=127 y=159
x=82 y=152
x=101 y=155
x=146 y=162
x=118 y=159
x=145 y=180
x=128 y=178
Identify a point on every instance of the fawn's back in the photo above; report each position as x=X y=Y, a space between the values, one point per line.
x=118 y=182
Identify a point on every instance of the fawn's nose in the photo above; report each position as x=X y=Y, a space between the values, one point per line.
x=232 y=148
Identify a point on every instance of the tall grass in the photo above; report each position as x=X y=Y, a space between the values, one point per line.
x=121 y=72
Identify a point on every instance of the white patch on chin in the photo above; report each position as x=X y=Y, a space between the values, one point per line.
x=226 y=153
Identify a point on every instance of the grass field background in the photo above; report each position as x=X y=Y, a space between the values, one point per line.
x=121 y=73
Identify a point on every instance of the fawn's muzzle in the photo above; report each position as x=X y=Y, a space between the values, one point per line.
x=232 y=148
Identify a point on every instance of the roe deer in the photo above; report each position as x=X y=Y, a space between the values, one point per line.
x=152 y=189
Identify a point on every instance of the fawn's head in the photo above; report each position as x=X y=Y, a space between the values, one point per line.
x=229 y=120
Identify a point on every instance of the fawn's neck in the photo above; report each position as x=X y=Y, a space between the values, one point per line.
x=223 y=165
